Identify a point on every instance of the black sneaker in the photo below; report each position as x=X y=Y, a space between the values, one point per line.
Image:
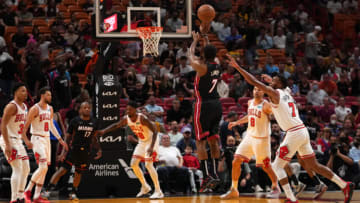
x=204 y=184
x=213 y=183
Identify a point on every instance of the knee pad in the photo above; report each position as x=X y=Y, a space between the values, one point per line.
x=278 y=167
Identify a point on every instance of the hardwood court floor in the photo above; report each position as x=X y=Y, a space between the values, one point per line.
x=332 y=197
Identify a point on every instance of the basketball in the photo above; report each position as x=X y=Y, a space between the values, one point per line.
x=206 y=13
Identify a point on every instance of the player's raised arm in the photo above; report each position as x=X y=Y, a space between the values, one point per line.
x=55 y=131
x=145 y=121
x=10 y=110
x=122 y=123
x=273 y=94
x=194 y=61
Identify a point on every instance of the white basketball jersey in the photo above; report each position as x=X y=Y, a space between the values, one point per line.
x=286 y=112
x=17 y=122
x=141 y=131
x=41 y=124
x=258 y=121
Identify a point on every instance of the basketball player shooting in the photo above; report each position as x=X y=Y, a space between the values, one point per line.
x=256 y=142
x=12 y=125
x=146 y=149
x=297 y=137
x=208 y=109
x=40 y=118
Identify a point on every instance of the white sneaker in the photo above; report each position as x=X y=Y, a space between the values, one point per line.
x=299 y=189
x=144 y=190
x=157 y=195
x=274 y=194
x=46 y=194
x=258 y=188
x=232 y=193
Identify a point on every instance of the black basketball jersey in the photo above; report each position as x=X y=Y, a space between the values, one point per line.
x=84 y=131
x=206 y=85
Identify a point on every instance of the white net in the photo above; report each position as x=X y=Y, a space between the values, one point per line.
x=151 y=38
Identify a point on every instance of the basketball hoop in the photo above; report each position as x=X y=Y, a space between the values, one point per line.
x=150 y=37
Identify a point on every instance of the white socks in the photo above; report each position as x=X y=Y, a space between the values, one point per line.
x=288 y=192
x=25 y=169
x=336 y=179
x=30 y=186
x=37 y=191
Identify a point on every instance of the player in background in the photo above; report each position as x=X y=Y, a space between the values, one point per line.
x=12 y=124
x=297 y=137
x=207 y=109
x=256 y=142
x=40 y=118
x=80 y=137
x=146 y=149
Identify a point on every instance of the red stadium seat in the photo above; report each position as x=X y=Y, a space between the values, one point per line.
x=227 y=100
x=235 y=108
x=350 y=99
x=123 y=102
x=243 y=100
x=168 y=101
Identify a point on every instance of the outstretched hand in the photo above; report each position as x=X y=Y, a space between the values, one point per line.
x=205 y=28
x=266 y=78
x=196 y=36
x=232 y=61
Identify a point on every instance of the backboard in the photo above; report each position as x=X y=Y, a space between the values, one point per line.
x=118 y=19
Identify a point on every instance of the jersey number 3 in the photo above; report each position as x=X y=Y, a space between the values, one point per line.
x=214 y=82
x=293 y=108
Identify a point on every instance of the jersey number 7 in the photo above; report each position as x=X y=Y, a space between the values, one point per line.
x=214 y=82
x=293 y=108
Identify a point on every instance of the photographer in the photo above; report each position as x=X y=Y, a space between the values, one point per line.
x=355 y=151
x=338 y=159
x=225 y=165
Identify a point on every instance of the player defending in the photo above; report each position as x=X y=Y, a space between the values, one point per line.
x=80 y=136
x=207 y=110
x=297 y=137
x=256 y=142
x=12 y=124
x=41 y=119
x=146 y=149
